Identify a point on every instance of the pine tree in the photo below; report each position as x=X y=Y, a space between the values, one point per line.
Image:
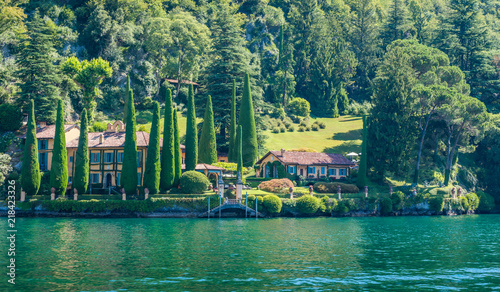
x=38 y=74
x=168 y=152
x=59 y=166
x=239 y=152
x=247 y=123
x=177 y=152
x=362 y=181
x=129 y=177
x=208 y=146
x=125 y=100
x=397 y=25
x=81 y=179
x=232 y=127
x=191 y=133
x=230 y=60
x=152 y=169
x=30 y=170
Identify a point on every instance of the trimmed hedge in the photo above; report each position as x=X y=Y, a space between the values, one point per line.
x=194 y=182
x=272 y=204
x=436 y=204
x=385 y=206
x=326 y=187
x=308 y=204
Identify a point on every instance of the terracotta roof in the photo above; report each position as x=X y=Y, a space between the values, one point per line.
x=309 y=158
x=48 y=132
x=111 y=139
x=161 y=144
x=203 y=166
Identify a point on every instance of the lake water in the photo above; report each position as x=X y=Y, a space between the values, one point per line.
x=285 y=254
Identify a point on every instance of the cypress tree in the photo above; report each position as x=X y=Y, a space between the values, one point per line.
x=59 y=167
x=129 y=167
x=30 y=171
x=177 y=152
x=362 y=181
x=247 y=123
x=81 y=179
x=125 y=100
x=208 y=145
x=239 y=152
x=167 y=155
x=191 y=133
x=232 y=127
x=152 y=170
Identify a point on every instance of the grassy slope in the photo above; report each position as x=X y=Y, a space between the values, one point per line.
x=341 y=135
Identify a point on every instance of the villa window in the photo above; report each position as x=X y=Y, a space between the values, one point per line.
x=322 y=170
x=94 y=178
x=139 y=158
x=70 y=179
x=42 y=160
x=291 y=169
x=43 y=144
x=138 y=178
x=71 y=159
x=120 y=157
x=118 y=175
x=342 y=171
x=311 y=169
x=333 y=171
x=95 y=157
x=108 y=157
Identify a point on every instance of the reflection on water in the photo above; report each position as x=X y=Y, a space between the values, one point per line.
x=323 y=254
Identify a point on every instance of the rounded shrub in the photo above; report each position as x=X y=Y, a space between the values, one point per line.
x=275 y=130
x=331 y=188
x=194 y=182
x=251 y=201
x=272 y=204
x=436 y=204
x=299 y=106
x=291 y=129
x=303 y=124
x=308 y=128
x=283 y=129
x=322 y=125
x=307 y=204
x=397 y=200
x=473 y=201
x=315 y=127
x=486 y=202
x=385 y=206
x=301 y=129
x=343 y=207
x=276 y=185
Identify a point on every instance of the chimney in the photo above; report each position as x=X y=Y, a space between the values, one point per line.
x=282 y=152
x=101 y=138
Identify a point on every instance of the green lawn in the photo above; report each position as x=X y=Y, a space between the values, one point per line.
x=341 y=135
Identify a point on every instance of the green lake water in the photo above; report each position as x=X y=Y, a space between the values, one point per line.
x=285 y=254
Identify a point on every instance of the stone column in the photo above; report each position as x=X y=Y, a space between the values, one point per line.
x=75 y=194
x=23 y=195
x=366 y=191
x=239 y=187
x=339 y=191
x=52 y=194
x=311 y=190
x=146 y=193
x=291 y=193
x=124 y=196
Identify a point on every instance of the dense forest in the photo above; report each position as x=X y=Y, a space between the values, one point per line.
x=427 y=72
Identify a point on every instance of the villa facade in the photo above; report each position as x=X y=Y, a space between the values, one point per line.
x=307 y=164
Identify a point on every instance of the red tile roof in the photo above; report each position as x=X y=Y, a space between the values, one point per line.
x=112 y=139
x=309 y=158
x=48 y=132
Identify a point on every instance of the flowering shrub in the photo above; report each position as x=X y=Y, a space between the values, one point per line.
x=276 y=185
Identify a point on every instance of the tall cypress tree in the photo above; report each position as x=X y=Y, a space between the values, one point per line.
x=232 y=127
x=125 y=100
x=129 y=176
x=59 y=167
x=191 y=133
x=362 y=181
x=167 y=154
x=208 y=145
x=152 y=170
x=30 y=170
x=81 y=179
x=40 y=77
x=247 y=123
x=239 y=152
x=177 y=152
